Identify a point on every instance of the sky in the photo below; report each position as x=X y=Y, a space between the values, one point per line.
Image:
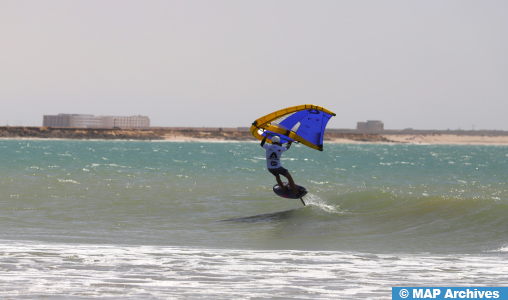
x=215 y=63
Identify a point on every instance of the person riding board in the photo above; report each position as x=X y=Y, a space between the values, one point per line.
x=273 y=155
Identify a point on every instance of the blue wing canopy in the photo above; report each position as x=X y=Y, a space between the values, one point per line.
x=308 y=124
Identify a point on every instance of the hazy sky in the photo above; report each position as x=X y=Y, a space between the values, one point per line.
x=420 y=64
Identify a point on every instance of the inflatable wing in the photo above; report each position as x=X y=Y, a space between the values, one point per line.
x=303 y=123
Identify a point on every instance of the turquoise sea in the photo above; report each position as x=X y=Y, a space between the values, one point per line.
x=199 y=220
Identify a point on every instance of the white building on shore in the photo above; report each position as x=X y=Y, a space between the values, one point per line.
x=370 y=126
x=91 y=121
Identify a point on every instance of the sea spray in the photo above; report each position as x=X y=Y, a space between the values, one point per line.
x=320 y=204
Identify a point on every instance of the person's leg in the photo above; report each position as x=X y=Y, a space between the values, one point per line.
x=280 y=182
x=291 y=183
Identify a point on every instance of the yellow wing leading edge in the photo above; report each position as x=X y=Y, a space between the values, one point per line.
x=263 y=125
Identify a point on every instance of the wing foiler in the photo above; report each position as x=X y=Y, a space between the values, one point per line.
x=302 y=123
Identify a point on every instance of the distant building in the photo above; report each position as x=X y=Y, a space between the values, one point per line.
x=361 y=126
x=129 y=122
x=370 y=126
x=57 y=121
x=85 y=121
x=91 y=121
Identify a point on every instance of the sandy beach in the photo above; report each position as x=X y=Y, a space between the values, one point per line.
x=399 y=139
x=438 y=139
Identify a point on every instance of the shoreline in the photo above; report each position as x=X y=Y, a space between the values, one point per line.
x=198 y=134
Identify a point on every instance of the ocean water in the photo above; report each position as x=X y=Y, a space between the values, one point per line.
x=199 y=220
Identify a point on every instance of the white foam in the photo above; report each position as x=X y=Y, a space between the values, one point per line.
x=502 y=249
x=68 y=181
x=38 y=270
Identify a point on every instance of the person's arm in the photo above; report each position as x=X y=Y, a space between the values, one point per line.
x=263 y=142
x=289 y=144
